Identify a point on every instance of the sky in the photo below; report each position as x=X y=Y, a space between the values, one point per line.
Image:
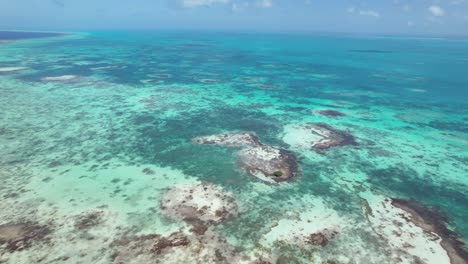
x=425 y=17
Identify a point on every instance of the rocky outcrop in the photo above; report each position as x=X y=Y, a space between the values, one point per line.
x=268 y=163
x=243 y=139
x=316 y=136
x=265 y=162
x=433 y=222
x=413 y=232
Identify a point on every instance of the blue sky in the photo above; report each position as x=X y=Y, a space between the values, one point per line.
x=430 y=17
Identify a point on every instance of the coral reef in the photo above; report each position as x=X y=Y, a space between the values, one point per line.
x=19 y=236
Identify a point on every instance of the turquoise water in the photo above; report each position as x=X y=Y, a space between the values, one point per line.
x=104 y=122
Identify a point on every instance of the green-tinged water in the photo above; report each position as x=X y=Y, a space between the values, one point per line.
x=113 y=133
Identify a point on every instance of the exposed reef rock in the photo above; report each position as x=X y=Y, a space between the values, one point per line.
x=198 y=204
x=265 y=162
x=330 y=113
x=244 y=139
x=316 y=136
x=268 y=163
x=19 y=236
x=412 y=232
x=434 y=222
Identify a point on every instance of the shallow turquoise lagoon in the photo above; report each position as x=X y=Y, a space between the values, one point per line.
x=98 y=162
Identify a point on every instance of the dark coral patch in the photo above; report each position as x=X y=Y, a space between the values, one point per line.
x=331 y=113
x=20 y=236
x=148 y=171
x=433 y=221
x=127 y=248
x=89 y=220
x=322 y=238
x=331 y=137
x=452 y=126
x=275 y=164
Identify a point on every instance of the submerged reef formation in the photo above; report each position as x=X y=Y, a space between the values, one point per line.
x=243 y=139
x=203 y=206
x=330 y=113
x=89 y=220
x=131 y=248
x=200 y=203
x=19 y=236
x=316 y=136
x=268 y=163
x=412 y=233
x=265 y=162
x=433 y=222
x=179 y=247
x=316 y=227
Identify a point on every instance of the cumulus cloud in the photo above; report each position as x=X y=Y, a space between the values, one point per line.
x=199 y=3
x=372 y=13
x=436 y=10
x=265 y=3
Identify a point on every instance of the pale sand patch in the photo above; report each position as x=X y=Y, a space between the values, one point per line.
x=405 y=240
x=317 y=136
x=198 y=202
x=297 y=229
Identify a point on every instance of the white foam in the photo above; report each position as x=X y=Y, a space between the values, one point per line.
x=59 y=78
x=11 y=69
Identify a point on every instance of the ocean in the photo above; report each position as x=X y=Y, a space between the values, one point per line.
x=206 y=147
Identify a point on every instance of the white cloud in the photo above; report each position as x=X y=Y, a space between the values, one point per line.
x=436 y=10
x=353 y=10
x=239 y=6
x=265 y=3
x=198 y=3
x=369 y=13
